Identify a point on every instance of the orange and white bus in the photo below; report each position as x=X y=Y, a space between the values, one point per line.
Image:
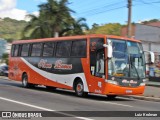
x=101 y=64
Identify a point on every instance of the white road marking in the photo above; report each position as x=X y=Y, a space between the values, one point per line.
x=42 y=108
x=118 y=104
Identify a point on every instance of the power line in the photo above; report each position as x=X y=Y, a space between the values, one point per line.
x=112 y=6
x=101 y=7
x=107 y=10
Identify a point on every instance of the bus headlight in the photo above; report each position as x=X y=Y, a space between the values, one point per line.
x=111 y=82
x=142 y=84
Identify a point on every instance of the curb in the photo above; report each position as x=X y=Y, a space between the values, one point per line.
x=2 y=77
x=154 y=85
x=155 y=99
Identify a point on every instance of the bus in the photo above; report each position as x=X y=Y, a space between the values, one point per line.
x=100 y=64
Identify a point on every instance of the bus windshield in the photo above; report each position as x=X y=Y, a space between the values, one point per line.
x=127 y=60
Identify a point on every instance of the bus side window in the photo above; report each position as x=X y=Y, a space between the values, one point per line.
x=16 y=49
x=25 y=50
x=12 y=50
x=48 y=49
x=79 y=48
x=36 y=49
x=63 y=49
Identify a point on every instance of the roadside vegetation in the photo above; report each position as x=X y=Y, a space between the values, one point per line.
x=55 y=20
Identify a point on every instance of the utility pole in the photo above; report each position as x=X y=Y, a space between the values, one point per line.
x=129 y=18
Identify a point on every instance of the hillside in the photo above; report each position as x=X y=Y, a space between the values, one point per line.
x=10 y=29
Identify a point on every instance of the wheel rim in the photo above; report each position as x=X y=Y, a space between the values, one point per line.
x=79 y=88
x=24 y=81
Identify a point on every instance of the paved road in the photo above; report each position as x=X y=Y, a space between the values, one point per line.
x=15 y=98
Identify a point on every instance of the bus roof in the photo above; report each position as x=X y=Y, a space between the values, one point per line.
x=76 y=37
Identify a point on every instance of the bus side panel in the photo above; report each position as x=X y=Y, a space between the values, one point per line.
x=15 y=65
x=57 y=72
x=18 y=67
x=95 y=84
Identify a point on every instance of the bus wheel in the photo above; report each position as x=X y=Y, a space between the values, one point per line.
x=25 y=83
x=111 y=97
x=50 y=88
x=79 y=89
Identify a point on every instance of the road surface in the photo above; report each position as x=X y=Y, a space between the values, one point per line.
x=13 y=97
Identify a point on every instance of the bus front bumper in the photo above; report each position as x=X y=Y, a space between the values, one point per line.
x=111 y=89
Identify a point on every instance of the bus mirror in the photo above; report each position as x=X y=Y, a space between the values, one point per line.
x=151 y=57
x=110 y=50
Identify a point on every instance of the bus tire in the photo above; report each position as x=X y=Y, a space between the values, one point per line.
x=111 y=97
x=79 y=89
x=25 y=83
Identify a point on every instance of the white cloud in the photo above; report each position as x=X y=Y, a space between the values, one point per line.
x=8 y=9
x=36 y=13
x=7 y=4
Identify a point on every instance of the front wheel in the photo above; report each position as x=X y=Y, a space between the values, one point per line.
x=79 y=89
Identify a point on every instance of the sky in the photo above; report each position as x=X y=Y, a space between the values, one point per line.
x=95 y=11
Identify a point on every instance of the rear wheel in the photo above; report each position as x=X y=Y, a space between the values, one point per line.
x=25 y=83
x=79 y=89
x=111 y=97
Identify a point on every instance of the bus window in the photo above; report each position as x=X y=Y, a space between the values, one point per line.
x=16 y=50
x=48 y=49
x=25 y=50
x=36 y=49
x=12 y=50
x=63 y=49
x=78 y=49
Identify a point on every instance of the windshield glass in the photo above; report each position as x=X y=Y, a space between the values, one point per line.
x=127 y=60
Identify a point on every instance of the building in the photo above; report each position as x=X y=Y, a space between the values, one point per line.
x=150 y=37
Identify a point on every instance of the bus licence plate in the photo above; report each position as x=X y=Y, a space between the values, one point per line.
x=128 y=91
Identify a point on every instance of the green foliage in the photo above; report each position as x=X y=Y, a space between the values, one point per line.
x=110 y=29
x=5 y=58
x=10 y=29
x=150 y=21
x=54 y=19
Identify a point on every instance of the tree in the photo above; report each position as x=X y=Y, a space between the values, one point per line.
x=111 y=28
x=5 y=58
x=95 y=26
x=57 y=14
x=36 y=28
x=78 y=27
x=54 y=20
x=150 y=21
